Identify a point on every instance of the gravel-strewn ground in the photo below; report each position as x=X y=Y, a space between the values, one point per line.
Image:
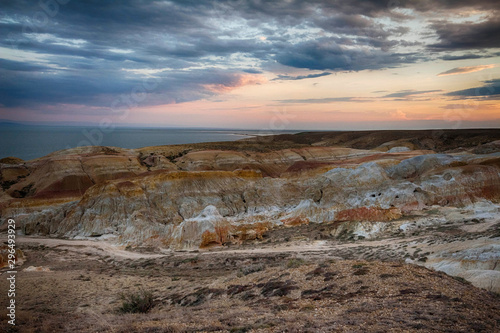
x=320 y=290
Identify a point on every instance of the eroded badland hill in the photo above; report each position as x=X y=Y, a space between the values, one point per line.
x=311 y=232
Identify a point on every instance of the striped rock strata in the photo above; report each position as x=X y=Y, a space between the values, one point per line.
x=189 y=209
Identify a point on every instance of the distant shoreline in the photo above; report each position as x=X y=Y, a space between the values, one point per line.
x=30 y=142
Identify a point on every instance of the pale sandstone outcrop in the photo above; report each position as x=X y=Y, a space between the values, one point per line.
x=475 y=263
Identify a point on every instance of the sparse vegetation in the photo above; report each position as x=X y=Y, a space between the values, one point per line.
x=295 y=262
x=138 y=302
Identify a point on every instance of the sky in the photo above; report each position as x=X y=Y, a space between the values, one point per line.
x=252 y=64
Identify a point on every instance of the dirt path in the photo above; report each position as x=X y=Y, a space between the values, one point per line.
x=107 y=248
x=97 y=247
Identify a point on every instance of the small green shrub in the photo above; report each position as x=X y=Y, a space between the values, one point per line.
x=139 y=302
x=295 y=262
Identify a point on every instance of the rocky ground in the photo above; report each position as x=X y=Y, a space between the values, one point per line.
x=295 y=279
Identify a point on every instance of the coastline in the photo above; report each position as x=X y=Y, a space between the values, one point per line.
x=30 y=142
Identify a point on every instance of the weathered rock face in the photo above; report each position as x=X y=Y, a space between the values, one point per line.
x=188 y=209
x=149 y=208
x=270 y=163
x=414 y=167
x=69 y=173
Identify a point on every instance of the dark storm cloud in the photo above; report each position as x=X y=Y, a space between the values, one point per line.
x=300 y=77
x=467 y=35
x=102 y=88
x=92 y=72
x=94 y=50
x=103 y=25
x=300 y=8
x=490 y=90
x=322 y=54
x=17 y=89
